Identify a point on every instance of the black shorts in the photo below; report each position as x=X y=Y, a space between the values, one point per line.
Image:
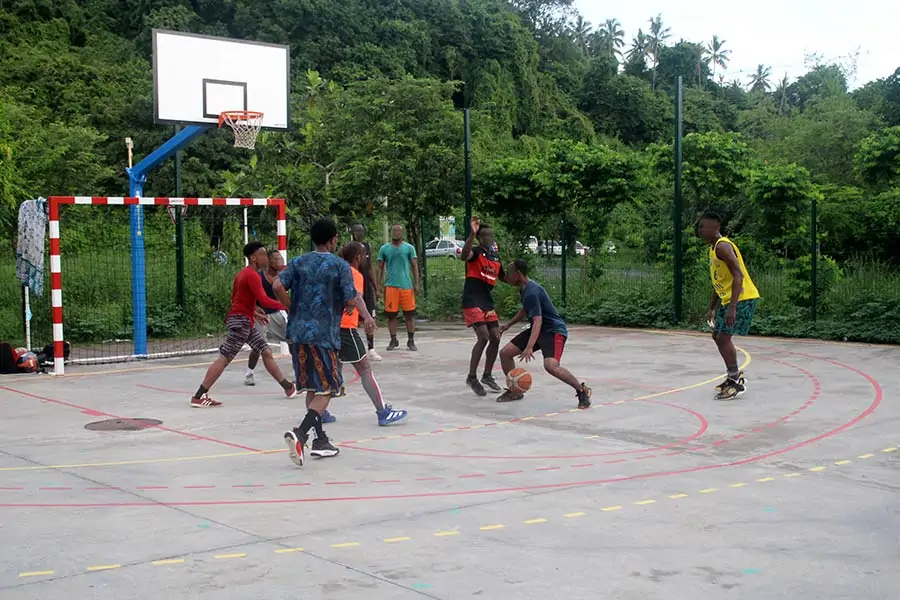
x=353 y=349
x=551 y=345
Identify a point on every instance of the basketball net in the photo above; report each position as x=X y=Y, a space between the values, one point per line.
x=245 y=124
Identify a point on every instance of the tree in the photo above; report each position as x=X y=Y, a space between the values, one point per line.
x=878 y=159
x=581 y=32
x=608 y=40
x=658 y=35
x=718 y=54
x=759 y=81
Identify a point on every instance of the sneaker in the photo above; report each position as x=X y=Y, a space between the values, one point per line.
x=204 y=402
x=509 y=396
x=248 y=379
x=393 y=345
x=323 y=448
x=389 y=416
x=722 y=385
x=476 y=386
x=374 y=355
x=584 y=396
x=296 y=443
x=327 y=417
x=491 y=383
x=291 y=392
x=411 y=346
x=732 y=388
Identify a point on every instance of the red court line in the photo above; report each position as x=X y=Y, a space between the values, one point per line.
x=152 y=388
x=111 y=416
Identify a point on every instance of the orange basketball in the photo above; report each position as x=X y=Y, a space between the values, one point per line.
x=518 y=380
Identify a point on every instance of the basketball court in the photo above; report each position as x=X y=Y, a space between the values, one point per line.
x=110 y=482
x=657 y=491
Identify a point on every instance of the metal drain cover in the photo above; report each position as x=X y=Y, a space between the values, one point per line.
x=122 y=424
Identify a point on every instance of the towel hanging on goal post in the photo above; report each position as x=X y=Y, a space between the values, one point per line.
x=33 y=219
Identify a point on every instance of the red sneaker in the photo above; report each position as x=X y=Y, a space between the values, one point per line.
x=204 y=402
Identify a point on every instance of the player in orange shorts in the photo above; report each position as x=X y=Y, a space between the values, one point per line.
x=400 y=287
x=483 y=269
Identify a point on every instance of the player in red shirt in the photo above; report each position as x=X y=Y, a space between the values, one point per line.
x=483 y=269
x=246 y=292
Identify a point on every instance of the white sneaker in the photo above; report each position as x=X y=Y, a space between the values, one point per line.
x=374 y=355
x=248 y=379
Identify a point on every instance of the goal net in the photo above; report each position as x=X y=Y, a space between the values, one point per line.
x=111 y=306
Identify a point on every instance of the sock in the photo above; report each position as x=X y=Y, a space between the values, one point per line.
x=320 y=432
x=312 y=420
x=371 y=386
x=410 y=335
x=733 y=372
x=284 y=383
x=249 y=371
x=393 y=338
x=200 y=391
x=371 y=340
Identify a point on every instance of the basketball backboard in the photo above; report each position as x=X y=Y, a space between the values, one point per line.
x=196 y=77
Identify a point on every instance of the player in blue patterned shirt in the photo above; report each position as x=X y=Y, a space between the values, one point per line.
x=321 y=286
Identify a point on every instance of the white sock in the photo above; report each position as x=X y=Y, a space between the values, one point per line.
x=249 y=372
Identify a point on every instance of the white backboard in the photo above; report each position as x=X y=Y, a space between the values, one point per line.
x=196 y=77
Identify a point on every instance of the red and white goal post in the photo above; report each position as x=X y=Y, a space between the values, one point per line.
x=56 y=204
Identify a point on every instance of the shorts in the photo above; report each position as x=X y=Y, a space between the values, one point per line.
x=551 y=345
x=477 y=316
x=276 y=329
x=743 y=317
x=317 y=370
x=241 y=331
x=353 y=349
x=396 y=300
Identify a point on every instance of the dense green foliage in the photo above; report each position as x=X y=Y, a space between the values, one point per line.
x=572 y=127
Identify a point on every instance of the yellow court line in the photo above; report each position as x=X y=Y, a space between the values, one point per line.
x=449 y=533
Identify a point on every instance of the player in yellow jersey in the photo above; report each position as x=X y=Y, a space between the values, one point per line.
x=733 y=301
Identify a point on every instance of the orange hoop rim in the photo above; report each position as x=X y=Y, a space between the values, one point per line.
x=238 y=115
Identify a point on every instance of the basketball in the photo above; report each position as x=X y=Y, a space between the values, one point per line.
x=27 y=362
x=518 y=380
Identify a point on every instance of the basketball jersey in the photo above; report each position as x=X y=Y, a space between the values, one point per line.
x=270 y=292
x=482 y=271
x=351 y=321
x=722 y=279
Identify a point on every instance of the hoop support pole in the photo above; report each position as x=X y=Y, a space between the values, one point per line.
x=281 y=227
x=137 y=176
x=56 y=290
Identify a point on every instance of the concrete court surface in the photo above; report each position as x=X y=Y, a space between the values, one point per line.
x=657 y=492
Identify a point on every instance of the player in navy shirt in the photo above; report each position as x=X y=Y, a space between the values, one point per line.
x=321 y=286
x=547 y=333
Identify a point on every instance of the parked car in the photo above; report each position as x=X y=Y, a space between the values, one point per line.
x=539 y=247
x=448 y=248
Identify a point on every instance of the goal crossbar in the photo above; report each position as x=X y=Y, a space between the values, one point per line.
x=56 y=202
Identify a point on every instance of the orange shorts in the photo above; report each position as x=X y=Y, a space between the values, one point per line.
x=474 y=316
x=396 y=300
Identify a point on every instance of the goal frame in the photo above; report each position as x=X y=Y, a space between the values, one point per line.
x=57 y=202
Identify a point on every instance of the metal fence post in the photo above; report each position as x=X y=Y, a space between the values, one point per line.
x=678 y=209
x=814 y=256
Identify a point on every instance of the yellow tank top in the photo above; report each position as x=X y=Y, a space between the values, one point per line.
x=722 y=278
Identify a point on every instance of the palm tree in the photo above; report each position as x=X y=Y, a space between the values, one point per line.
x=612 y=38
x=581 y=33
x=781 y=92
x=717 y=53
x=640 y=46
x=759 y=81
x=658 y=35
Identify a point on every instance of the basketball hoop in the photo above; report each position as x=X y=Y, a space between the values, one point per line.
x=246 y=125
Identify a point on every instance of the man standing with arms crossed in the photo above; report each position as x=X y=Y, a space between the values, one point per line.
x=399 y=288
x=322 y=290
x=358 y=232
x=733 y=301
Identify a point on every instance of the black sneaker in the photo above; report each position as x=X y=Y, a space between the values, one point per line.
x=476 y=386
x=411 y=346
x=490 y=383
x=732 y=389
x=323 y=448
x=393 y=345
x=584 y=396
x=296 y=443
x=509 y=396
x=722 y=385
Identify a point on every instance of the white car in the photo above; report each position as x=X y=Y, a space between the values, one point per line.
x=448 y=248
x=536 y=247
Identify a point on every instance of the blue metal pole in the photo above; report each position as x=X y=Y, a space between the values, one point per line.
x=137 y=176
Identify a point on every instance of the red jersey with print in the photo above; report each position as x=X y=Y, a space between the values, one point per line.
x=247 y=291
x=482 y=271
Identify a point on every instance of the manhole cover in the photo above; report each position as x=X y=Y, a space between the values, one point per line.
x=122 y=424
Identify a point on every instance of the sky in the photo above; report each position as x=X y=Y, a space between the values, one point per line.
x=778 y=34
